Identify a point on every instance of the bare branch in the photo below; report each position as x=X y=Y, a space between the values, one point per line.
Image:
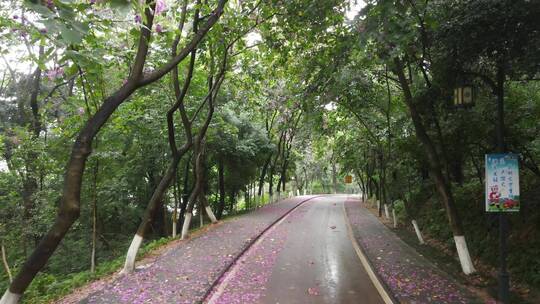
x=157 y=74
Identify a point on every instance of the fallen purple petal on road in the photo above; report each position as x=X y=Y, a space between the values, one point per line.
x=186 y=271
x=313 y=291
x=409 y=276
x=246 y=284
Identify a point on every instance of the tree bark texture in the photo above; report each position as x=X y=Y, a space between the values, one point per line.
x=70 y=202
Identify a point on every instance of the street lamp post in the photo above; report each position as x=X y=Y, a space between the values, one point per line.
x=464 y=98
x=504 y=278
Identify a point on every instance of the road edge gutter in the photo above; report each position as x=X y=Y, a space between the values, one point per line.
x=379 y=283
x=248 y=246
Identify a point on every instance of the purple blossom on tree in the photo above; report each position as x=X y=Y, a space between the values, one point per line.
x=51 y=74
x=159 y=29
x=160 y=7
x=138 y=19
x=54 y=73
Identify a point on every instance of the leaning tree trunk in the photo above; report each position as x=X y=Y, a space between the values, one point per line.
x=5 y=262
x=157 y=197
x=70 y=202
x=178 y=153
x=156 y=200
x=69 y=209
x=442 y=185
x=199 y=180
x=206 y=207
x=152 y=207
x=213 y=89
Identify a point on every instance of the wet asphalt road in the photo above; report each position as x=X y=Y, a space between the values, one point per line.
x=316 y=263
x=333 y=269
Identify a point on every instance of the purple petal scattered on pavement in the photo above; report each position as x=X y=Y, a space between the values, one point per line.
x=410 y=276
x=185 y=272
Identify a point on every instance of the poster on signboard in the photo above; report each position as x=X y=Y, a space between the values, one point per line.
x=502 y=183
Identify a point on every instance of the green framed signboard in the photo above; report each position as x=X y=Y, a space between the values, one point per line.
x=502 y=182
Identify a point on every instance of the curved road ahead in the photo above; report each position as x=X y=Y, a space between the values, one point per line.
x=308 y=257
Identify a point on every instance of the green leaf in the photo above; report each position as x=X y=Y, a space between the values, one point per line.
x=40 y=9
x=70 y=36
x=82 y=27
x=51 y=25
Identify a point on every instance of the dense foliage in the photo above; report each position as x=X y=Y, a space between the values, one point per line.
x=274 y=97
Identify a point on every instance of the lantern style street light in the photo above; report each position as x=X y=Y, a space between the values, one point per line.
x=463 y=96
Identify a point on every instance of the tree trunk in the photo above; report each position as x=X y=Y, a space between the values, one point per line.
x=234 y=200
x=194 y=194
x=221 y=183
x=213 y=89
x=201 y=208
x=70 y=202
x=382 y=185
x=176 y=204
x=334 y=177
x=376 y=190
x=278 y=186
x=164 y=208
x=203 y=201
x=442 y=185
x=284 y=175
x=263 y=174
x=94 y=216
x=30 y=182
x=151 y=209
x=186 y=191
x=418 y=232
x=5 y=262
x=274 y=164
x=156 y=200
x=361 y=183
x=209 y=212
x=178 y=197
